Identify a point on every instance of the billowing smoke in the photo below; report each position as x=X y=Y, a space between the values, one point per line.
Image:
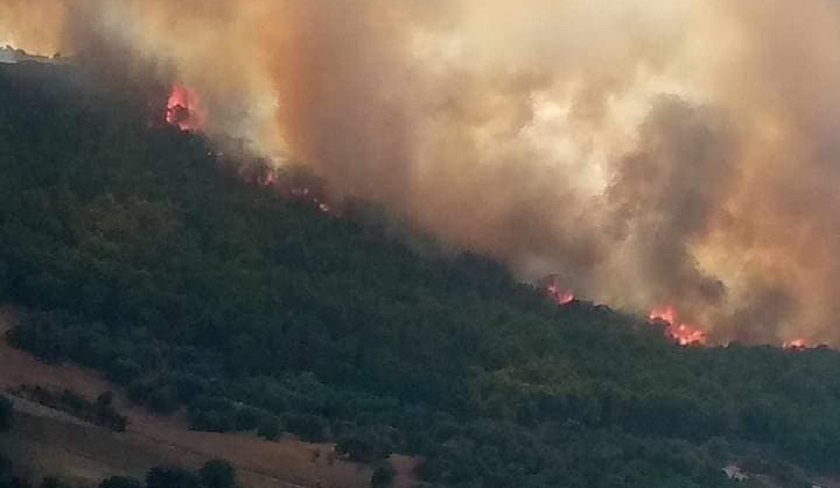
x=649 y=152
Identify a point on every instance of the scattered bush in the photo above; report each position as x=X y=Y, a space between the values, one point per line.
x=171 y=477
x=383 y=475
x=217 y=473
x=100 y=412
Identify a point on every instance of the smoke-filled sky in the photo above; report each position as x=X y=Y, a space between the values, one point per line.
x=648 y=151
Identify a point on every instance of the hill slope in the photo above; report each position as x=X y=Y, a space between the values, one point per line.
x=138 y=252
x=47 y=441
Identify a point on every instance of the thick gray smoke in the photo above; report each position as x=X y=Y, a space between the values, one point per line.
x=650 y=152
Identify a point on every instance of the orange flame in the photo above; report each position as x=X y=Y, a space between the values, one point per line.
x=683 y=334
x=184 y=109
x=665 y=314
x=561 y=296
x=795 y=344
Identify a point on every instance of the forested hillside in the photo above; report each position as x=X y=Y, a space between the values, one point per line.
x=137 y=251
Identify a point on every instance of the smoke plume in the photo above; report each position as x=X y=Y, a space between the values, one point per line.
x=647 y=151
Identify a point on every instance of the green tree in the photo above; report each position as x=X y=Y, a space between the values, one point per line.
x=367 y=444
x=383 y=475
x=163 y=400
x=5 y=472
x=217 y=473
x=310 y=428
x=6 y=414
x=120 y=482
x=170 y=477
x=248 y=418
x=270 y=429
x=53 y=482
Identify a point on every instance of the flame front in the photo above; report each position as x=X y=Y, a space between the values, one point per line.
x=802 y=345
x=683 y=334
x=560 y=295
x=184 y=109
x=796 y=344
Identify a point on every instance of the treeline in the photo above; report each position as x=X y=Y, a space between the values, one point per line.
x=215 y=473
x=100 y=412
x=138 y=251
x=7 y=476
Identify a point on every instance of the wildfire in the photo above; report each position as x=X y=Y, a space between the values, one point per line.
x=802 y=345
x=560 y=295
x=796 y=344
x=184 y=109
x=683 y=334
x=305 y=194
x=271 y=179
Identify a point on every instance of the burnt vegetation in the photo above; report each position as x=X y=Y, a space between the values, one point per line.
x=134 y=251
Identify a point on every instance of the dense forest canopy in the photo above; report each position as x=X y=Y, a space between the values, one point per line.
x=136 y=250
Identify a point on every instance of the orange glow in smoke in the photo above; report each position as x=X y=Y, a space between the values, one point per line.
x=560 y=295
x=184 y=109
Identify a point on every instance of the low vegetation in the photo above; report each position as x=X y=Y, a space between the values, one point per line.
x=139 y=252
x=100 y=412
x=216 y=473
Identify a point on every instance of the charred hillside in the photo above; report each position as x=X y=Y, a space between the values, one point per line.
x=135 y=249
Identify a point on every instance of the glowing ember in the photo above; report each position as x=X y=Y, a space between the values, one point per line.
x=796 y=344
x=308 y=195
x=665 y=314
x=683 y=334
x=561 y=296
x=184 y=109
x=271 y=179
